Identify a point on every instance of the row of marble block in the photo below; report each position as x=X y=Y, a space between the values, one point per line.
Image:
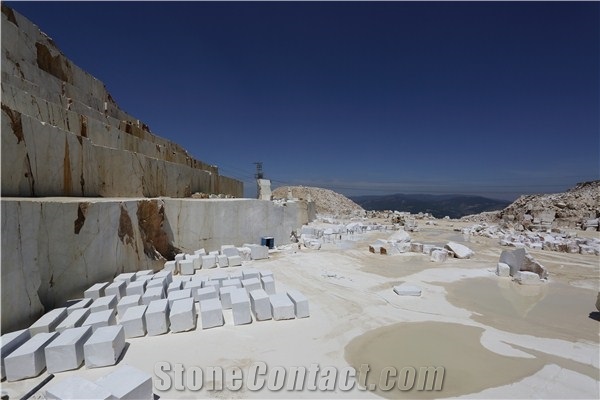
x=125 y=382
x=228 y=256
x=60 y=351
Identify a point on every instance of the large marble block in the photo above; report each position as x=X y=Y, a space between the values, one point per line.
x=251 y=284
x=95 y=291
x=258 y=252
x=234 y=261
x=182 y=315
x=117 y=288
x=133 y=321
x=240 y=306
x=260 y=305
x=209 y=261
x=225 y=295
x=157 y=317
x=127 y=382
x=211 y=313
x=10 y=342
x=300 y=303
x=144 y=272
x=171 y=266
x=194 y=285
x=136 y=287
x=268 y=283
x=223 y=261
x=281 y=306
x=75 y=387
x=236 y=275
x=128 y=301
x=406 y=289
x=219 y=276
x=83 y=303
x=178 y=295
x=196 y=261
x=200 y=252
x=229 y=250
x=125 y=277
x=186 y=267
x=174 y=286
x=29 y=359
x=164 y=274
x=205 y=293
x=161 y=282
x=73 y=320
x=49 y=321
x=153 y=293
x=245 y=253
x=214 y=284
x=104 y=347
x=104 y=303
x=100 y=319
x=265 y=272
x=232 y=282
x=66 y=351
x=249 y=273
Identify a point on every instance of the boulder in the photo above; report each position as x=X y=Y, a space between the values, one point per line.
x=399 y=236
x=459 y=250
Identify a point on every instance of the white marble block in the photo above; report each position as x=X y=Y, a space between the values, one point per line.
x=182 y=278
x=83 y=303
x=170 y=266
x=209 y=292
x=211 y=313
x=104 y=303
x=153 y=293
x=178 y=295
x=281 y=306
x=66 y=351
x=180 y=256
x=29 y=359
x=229 y=250
x=75 y=387
x=260 y=305
x=100 y=319
x=300 y=303
x=268 y=283
x=133 y=321
x=173 y=286
x=116 y=288
x=407 y=290
x=125 y=277
x=74 y=319
x=240 y=306
x=144 y=278
x=527 y=278
x=136 y=287
x=186 y=267
x=209 y=261
x=153 y=283
x=503 y=269
x=182 y=315
x=219 y=276
x=225 y=295
x=128 y=301
x=104 y=347
x=251 y=284
x=164 y=274
x=236 y=275
x=222 y=261
x=157 y=317
x=49 y=321
x=214 y=284
x=214 y=253
x=249 y=273
x=258 y=252
x=10 y=342
x=234 y=261
x=232 y=282
x=195 y=259
x=144 y=272
x=128 y=382
x=265 y=272
x=200 y=252
x=95 y=291
x=194 y=285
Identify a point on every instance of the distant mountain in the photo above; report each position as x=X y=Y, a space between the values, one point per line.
x=453 y=205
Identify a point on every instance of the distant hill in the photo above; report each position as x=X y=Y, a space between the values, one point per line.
x=326 y=201
x=453 y=205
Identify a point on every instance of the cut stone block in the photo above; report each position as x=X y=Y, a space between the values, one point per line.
x=225 y=295
x=127 y=383
x=170 y=266
x=153 y=293
x=407 y=290
x=182 y=278
x=250 y=273
x=66 y=351
x=95 y=291
x=209 y=261
x=136 y=287
x=503 y=269
x=229 y=250
x=144 y=272
x=209 y=292
x=260 y=305
x=157 y=317
x=174 y=286
x=83 y=303
x=211 y=313
x=236 y=275
x=29 y=359
x=214 y=253
x=133 y=321
x=300 y=303
x=128 y=301
x=219 y=276
x=194 y=286
x=195 y=259
x=180 y=256
x=245 y=253
x=104 y=347
x=12 y=341
x=75 y=387
x=460 y=251
x=117 y=288
x=48 y=322
x=73 y=320
x=144 y=278
x=200 y=252
x=428 y=248
x=178 y=295
x=281 y=306
x=186 y=267
x=232 y=282
x=125 y=277
x=162 y=283
x=222 y=261
x=104 y=303
x=416 y=247
x=100 y=319
x=214 y=284
x=264 y=273
x=251 y=284
x=438 y=256
x=164 y=274
x=258 y=252
x=268 y=283
x=240 y=306
x=527 y=278
x=182 y=315
x=234 y=261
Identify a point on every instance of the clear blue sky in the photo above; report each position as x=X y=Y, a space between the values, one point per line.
x=483 y=98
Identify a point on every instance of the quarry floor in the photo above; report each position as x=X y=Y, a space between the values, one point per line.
x=494 y=338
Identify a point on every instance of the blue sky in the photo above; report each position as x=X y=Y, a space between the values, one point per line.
x=496 y=99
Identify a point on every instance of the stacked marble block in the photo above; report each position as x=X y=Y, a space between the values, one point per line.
x=228 y=256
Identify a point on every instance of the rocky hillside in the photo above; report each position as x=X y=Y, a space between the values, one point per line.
x=326 y=201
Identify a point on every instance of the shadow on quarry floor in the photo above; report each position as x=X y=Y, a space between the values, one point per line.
x=595 y=315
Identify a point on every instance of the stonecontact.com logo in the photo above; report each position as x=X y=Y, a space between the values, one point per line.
x=259 y=376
